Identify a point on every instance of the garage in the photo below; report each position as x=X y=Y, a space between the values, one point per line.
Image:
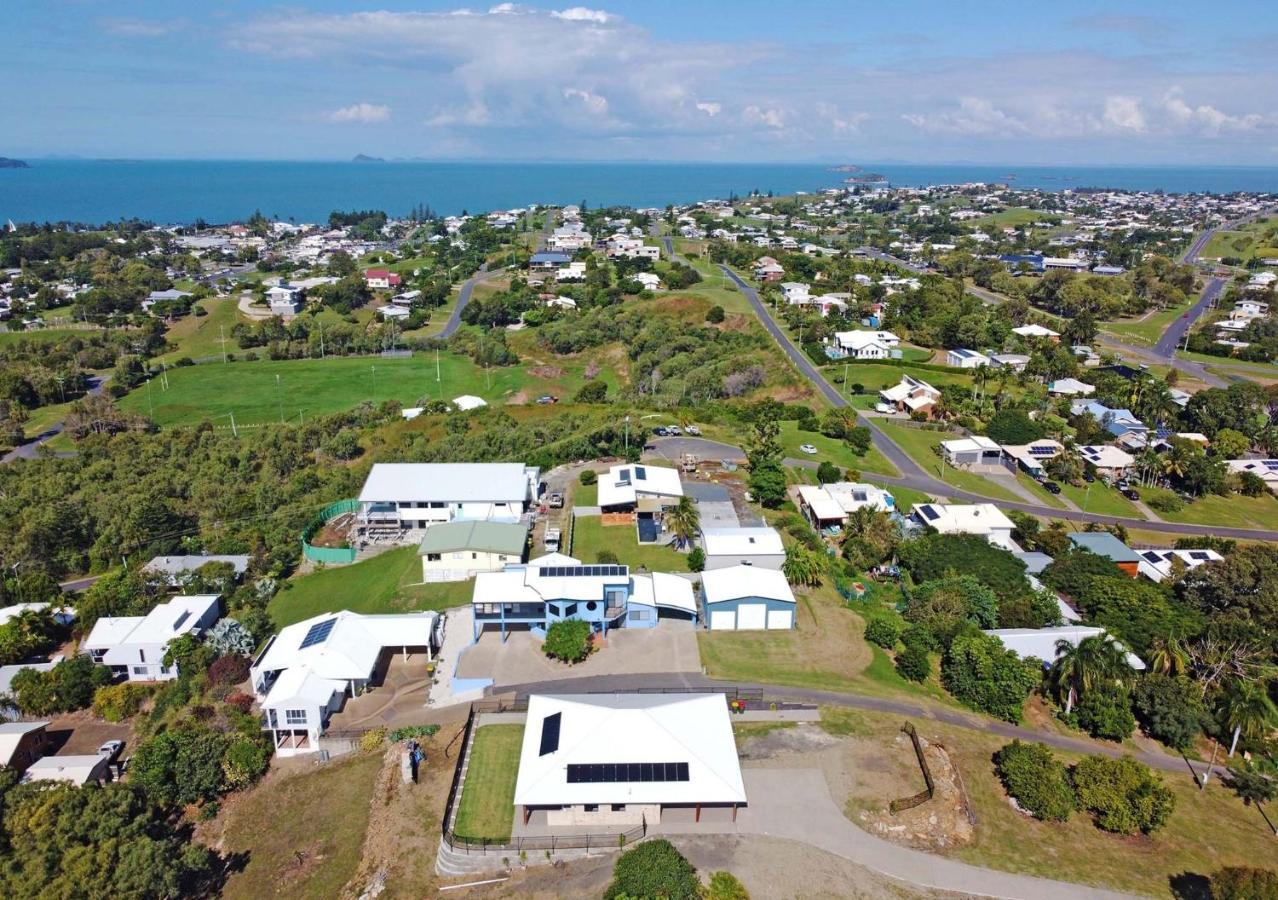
x=752 y=616
x=780 y=618
x=723 y=620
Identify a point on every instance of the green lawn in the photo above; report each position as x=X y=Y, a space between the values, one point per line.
x=832 y=450
x=487 y=807
x=1149 y=329
x=906 y=498
x=1101 y=499
x=1040 y=492
x=1255 y=239
x=585 y=494
x=874 y=376
x=39 y=335
x=267 y=390
x=1008 y=218
x=1233 y=510
x=590 y=537
x=920 y=444
x=386 y=583
x=199 y=337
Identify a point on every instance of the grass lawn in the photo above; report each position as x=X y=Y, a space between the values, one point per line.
x=1234 y=510
x=39 y=335
x=1101 y=499
x=1009 y=218
x=906 y=498
x=590 y=537
x=585 y=494
x=487 y=808
x=920 y=444
x=1255 y=239
x=311 y=387
x=831 y=449
x=199 y=337
x=303 y=834
x=1040 y=492
x=874 y=376
x=1149 y=329
x=386 y=583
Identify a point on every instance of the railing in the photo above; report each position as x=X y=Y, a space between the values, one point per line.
x=331 y=555
x=925 y=795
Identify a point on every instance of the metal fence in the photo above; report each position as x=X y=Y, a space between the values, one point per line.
x=332 y=555
x=925 y=795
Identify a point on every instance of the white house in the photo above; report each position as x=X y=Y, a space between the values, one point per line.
x=1070 y=387
x=406 y=497
x=594 y=761
x=1040 y=643
x=1036 y=331
x=305 y=673
x=830 y=505
x=283 y=300
x=455 y=551
x=795 y=292
x=1264 y=469
x=78 y=770
x=1109 y=461
x=746 y=598
x=623 y=486
x=1157 y=565
x=394 y=313
x=1031 y=457
x=966 y=359
x=574 y=271
x=135 y=645
x=649 y=281
x=866 y=344
x=984 y=519
x=467 y=402
x=911 y=395
x=176 y=567
x=754 y=546
x=977 y=453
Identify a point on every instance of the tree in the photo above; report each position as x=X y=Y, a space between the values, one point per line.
x=182 y=766
x=1230 y=444
x=1244 y=584
x=802 y=566
x=715 y=315
x=946 y=605
x=1036 y=780
x=1253 y=788
x=1123 y=795
x=567 y=640
x=725 y=886
x=936 y=556
x=1245 y=709
x=1167 y=656
x=885 y=631
x=684 y=521
x=828 y=473
x=653 y=869
x=984 y=675
x=1170 y=708
x=767 y=476
x=593 y=391
x=1244 y=883
x=696 y=559
x=1011 y=426
x=1106 y=713
x=66 y=687
x=1092 y=662
x=913 y=663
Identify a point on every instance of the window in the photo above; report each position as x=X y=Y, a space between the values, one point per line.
x=139 y=670
x=618 y=807
x=639 y=615
x=164 y=670
x=570 y=609
x=141 y=656
x=591 y=807
x=474 y=556
x=294 y=717
x=434 y=557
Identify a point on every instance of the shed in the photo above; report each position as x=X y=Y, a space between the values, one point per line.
x=746 y=598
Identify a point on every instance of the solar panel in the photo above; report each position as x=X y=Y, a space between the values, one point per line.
x=624 y=773
x=581 y=571
x=1198 y=554
x=930 y=513
x=550 y=733
x=1151 y=556
x=641 y=473
x=318 y=633
x=1042 y=451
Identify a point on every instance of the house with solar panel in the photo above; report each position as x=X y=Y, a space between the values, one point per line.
x=962 y=358
x=591 y=761
x=399 y=501
x=305 y=673
x=1264 y=469
x=643 y=490
x=533 y=596
x=1033 y=457
x=1159 y=565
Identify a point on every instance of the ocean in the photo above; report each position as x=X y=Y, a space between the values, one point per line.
x=172 y=192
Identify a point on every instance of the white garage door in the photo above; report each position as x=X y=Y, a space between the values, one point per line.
x=780 y=618
x=722 y=620
x=752 y=615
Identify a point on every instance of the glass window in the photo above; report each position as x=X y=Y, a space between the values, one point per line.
x=618 y=807
x=570 y=609
x=294 y=717
x=139 y=670
x=591 y=807
x=433 y=557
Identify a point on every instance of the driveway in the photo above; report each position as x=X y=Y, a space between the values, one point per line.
x=670 y=647
x=399 y=699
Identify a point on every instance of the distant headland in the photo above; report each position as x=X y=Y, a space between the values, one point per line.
x=7 y=163
x=360 y=157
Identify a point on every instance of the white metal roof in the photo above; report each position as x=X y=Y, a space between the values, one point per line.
x=1035 y=330
x=742 y=541
x=350 y=648
x=11 y=734
x=664 y=590
x=176 y=565
x=447 y=482
x=74 y=769
x=622 y=484
x=630 y=728
x=1070 y=386
x=823 y=506
x=301 y=686
x=962 y=518
x=469 y=401
x=110 y=631
x=736 y=582
x=172 y=619
x=968 y=444
x=1041 y=642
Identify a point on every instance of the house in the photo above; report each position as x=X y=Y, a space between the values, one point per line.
x=456 y=551
x=548 y=261
x=643 y=490
x=966 y=359
x=467 y=402
x=1040 y=643
x=63 y=615
x=612 y=761
x=283 y=300
x=404 y=497
x=22 y=743
x=1117 y=422
x=911 y=395
x=574 y=271
x=175 y=568
x=1110 y=271
x=1108 y=461
x=1068 y=263
x=984 y=519
x=866 y=344
x=753 y=546
x=768 y=269
x=1157 y=565
x=745 y=598
x=1069 y=387
x=795 y=292
x=393 y=312
x=829 y=505
x=305 y=673
x=1037 y=332
x=1264 y=469
x=977 y=453
x=77 y=770
x=534 y=595
x=1102 y=543
x=134 y=646
x=381 y=279
x=1014 y=361
x=649 y=281
x=171 y=295
x=1031 y=457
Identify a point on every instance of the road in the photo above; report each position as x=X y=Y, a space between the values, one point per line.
x=30 y=449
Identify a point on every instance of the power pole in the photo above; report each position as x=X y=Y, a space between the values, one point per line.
x=221 y=330
x=373 y=398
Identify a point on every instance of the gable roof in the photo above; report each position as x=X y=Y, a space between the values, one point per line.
x=737 y=582
x=750 y=541
x=490 y=537
x=1041 y=642
x=455 y=482
x=1102 y=543
x=11 y=735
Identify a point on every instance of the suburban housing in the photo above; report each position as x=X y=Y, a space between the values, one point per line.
x=455 y=551
x=829 y=505
x=745 y=598
x=984 y=519
x=399 y=498
x=134 y=646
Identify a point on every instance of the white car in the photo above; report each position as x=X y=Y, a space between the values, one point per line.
x=885 y=408
x=692 y=430
x=808 y=449
x=111 y=749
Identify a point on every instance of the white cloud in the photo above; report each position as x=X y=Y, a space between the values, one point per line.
x=710 y=109
x=582 y=14
x=140 y=28
x=1208 y=117
x=768 y=118
x=1124 y=113
x=975 y=115
x=593 y=102
x=364 y=113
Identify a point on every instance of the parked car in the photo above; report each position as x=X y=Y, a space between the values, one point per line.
x=674 y=430
x=808 y=449
x=547 y=398
x=1052 y=487
x=660 y=431
x=1089 y=477
x=556 y=500
x=1131 y=493
x=551 y=540
x=693 y=430
x=885 y=408
x=111 y=749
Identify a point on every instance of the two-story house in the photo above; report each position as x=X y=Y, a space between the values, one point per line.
x=134 y=646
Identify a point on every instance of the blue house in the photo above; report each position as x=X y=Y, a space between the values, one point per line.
x=1014 y=260
x=532 y=596
x=1118 y=422
x=549 y=260
x=747 y=598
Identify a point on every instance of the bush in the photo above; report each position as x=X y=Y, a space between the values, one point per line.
x=243 y=763
x=606 y=557
x=1244 y=883
x=918 y=634
x=828 y=472
x=726 y=886
x=229 y=670
x=1166 y=503
x=1123 y=795
x=715 y=314
x=68 y=686
x=593 y=391
x=982 y=674
x=567 y=640
x=117 y=702
x=1036 y=780
x=1010 y=426
x=913 y=663
x=413 y=731
x=1170 y=709
x=654 y=869
x=371 y=741
x=885 y=631
x=588 y=477
x=1106 y=713
x=696 y=559
x=242 y=702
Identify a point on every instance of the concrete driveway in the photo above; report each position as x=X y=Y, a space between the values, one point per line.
x=670 y=647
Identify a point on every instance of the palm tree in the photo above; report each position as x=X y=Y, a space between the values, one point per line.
x=684 y=520
x=1246 y=708
x=802 y=566
x=1080 y=667
x=1167 y=656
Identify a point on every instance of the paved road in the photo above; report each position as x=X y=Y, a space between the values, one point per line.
x=1175 y=333
x=30 y=449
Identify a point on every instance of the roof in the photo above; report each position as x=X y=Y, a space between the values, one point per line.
x=169 y=620
x=975 y=442
x=541 y=581
x=11 y=735
x=1035 y=561
x=75 y=769
x=1102 y=543
x=176 y=565
x=455 y=482
x=736 y=582
x=742 y=541
x=492 y=537
x=623 y=483
x=1035 y=330
x=663 y=589
x=343 y=645
x=468 y=402
x=959 y=518
x=963 y=353
x=1103 y=456
x=1070 y=386
x=1040 y=643
x=109 y=631
x=550 y=256
x=691 y=731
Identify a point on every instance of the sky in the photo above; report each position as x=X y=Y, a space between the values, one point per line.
x=1140 y=82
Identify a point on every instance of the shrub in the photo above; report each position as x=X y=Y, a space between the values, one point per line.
x=593 y=391
x=1244 y=883
x=68 y=686
x=1170 y=709
x=588 y=476
x=244 y=762
x=913 y=663
x=229 y=670
x=117 y=702
x=715 y=314
x=567 y=641
x=726 y=886
x=884 y=631
x=371 y=741
x=413 y=731
x=828 y=472
x=1166 y=503
x=1106 y=713
x=242 y=702
x=1123 y=795
x=981 y=673
x=696 y=559
x=654 y=869
x=228 y=636
x=606 y=557
x=1036 y=780
x=946 y=604
x=1010 y=426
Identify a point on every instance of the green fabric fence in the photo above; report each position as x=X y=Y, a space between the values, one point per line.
x=330 y=555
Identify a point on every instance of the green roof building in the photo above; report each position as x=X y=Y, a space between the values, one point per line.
x=456 y=551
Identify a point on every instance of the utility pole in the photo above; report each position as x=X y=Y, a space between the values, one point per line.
x=437 y=379
x=221 y=331
x=846 y=387
x=149 y=404
x=374 y=395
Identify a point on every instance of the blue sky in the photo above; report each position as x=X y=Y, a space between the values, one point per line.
x=1154 y=83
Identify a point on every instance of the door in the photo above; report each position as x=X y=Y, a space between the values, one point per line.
x=723 y=620
x=752 y=616
x=780 y=618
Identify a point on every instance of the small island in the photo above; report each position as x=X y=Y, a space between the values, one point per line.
x=7 y=163
x=361 y=158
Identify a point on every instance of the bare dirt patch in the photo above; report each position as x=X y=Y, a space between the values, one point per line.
x=546 y=371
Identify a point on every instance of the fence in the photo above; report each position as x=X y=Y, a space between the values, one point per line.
x=331 y=555
x=923 y=796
